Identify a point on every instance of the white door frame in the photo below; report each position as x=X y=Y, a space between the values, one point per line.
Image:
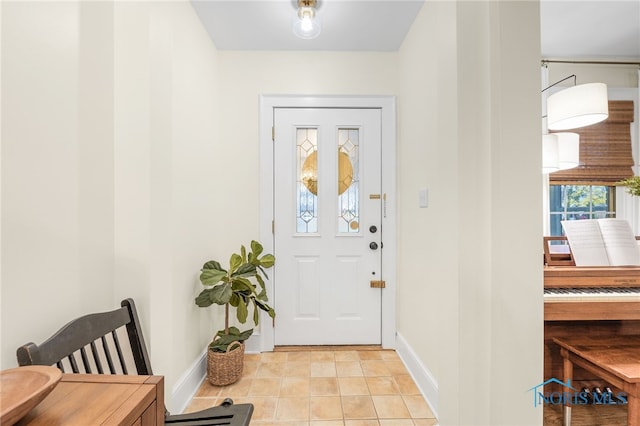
x=265 y=336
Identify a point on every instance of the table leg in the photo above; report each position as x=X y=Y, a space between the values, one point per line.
x=633 y=413
x=567 y=373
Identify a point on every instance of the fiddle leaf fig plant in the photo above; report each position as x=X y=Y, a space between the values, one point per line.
x=240 y=286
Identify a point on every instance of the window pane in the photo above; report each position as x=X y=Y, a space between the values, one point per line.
x=307 y=172
x=576 y=202
x=348 y=181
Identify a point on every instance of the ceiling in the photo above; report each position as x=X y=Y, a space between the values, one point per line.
x=593 y=29
x=373 y=25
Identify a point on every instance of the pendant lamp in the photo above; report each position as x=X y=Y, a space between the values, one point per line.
x=560 y=151
x=550 y=161
x=577 y=106
x=568 y=150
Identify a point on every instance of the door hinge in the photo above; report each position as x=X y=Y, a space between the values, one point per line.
x=273 y=227
x=273 y=134
x=378 y=284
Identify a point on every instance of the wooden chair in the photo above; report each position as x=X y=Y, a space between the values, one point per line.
x=96 y=340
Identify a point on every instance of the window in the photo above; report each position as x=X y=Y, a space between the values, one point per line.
x=575 y=202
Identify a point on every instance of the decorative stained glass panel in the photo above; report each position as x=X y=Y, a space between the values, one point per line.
x=348 y=181
x=307 y=185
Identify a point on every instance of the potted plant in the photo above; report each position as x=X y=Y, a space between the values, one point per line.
x=632 y=184
x=241 y=286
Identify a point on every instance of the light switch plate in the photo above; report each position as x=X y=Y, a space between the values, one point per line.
x=423 y=198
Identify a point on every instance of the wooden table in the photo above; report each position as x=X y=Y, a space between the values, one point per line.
x=87 y=399
x=615 y=359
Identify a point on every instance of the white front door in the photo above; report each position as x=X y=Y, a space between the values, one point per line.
x=327 y=221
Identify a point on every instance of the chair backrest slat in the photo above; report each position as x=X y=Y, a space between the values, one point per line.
x=74 y=364
x=85 y=361
x=107 y=354
x=96 y=357
x=123 y=364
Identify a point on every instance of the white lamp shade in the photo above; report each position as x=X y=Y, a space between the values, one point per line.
x=568 y=150
x=577 y=106
x=550 y=152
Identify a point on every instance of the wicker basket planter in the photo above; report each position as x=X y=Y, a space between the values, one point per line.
x=224 y=368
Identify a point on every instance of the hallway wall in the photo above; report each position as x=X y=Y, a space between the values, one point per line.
x=108 y=184
x=470 y=275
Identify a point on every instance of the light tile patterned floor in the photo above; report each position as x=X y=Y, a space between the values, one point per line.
x=324 y=388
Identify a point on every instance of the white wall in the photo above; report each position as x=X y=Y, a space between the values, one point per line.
x=169 y=191
x=109 y=188
x=471 y=290
x=57 y=168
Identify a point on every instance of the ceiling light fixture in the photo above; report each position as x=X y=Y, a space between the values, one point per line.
x=577 y=106
x=306 y=25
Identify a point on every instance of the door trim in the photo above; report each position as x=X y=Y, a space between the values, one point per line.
x=264 y=337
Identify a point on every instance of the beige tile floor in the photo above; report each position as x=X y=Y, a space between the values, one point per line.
x=324 y=387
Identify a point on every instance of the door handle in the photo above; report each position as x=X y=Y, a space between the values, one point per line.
x=373 y=246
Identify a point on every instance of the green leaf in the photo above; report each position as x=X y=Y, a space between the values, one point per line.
x=243 y=254
x=203 y=300
x=225 y=339
x=263 y=305
x=211 y=276
x=260 y=281
x=235 y=299
x=221 y=294
x=256 y=248
x=263 y=296
x=217 y=347
x=213 y=264
x=245 y=335
x=234 y=262
x=272 y=313
x=245 y=270
x=256 y=313
x=232 y=330
x=242 y=311
x=268 y=260
x=222 y=340
x=243 y=285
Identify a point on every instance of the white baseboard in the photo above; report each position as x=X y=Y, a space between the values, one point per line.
x=188 y=384
x=420 y=374
x=252 y=346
